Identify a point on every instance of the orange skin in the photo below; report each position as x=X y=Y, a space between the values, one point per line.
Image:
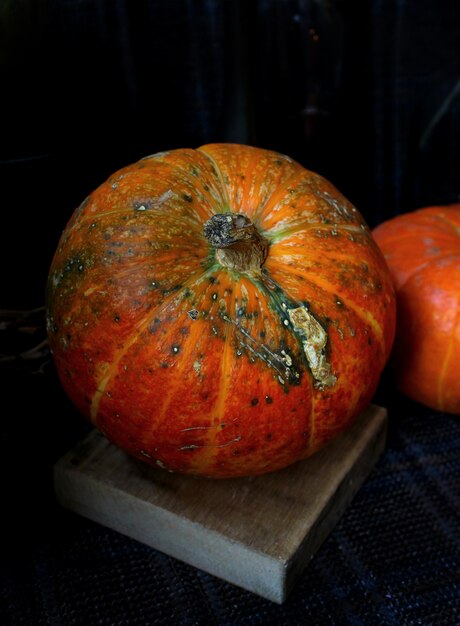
x=194 y=367
x=422 y=249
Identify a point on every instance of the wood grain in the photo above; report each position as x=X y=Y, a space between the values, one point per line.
x=256 y=532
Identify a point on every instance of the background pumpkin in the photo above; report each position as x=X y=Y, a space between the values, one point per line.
x=194 y=366
x=422 y=249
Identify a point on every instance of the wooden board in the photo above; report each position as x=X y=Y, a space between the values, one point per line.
x=257 y=532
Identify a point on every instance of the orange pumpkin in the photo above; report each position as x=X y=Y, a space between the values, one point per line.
x=219 y=311
x=422 y=249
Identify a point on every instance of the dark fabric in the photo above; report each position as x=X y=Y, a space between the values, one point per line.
x=393 y=559
x=416 y=105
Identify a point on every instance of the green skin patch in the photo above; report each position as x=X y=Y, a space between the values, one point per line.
x=306 y=329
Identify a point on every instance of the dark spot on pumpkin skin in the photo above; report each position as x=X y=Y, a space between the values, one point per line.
x=190 y=449
x=254 y=401
x=268 y=400
x=187 y=197
x=164 y=365
x=154 y=326
x=269 y=436
x=116 y=318
x=166 y=292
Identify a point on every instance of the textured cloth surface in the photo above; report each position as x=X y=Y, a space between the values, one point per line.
x=393 y=558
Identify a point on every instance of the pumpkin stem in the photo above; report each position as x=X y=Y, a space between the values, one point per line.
x=239 y=245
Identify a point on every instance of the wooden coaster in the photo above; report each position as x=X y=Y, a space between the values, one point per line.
x=258 y=532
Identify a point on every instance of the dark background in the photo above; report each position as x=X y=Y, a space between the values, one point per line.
x=367 y=93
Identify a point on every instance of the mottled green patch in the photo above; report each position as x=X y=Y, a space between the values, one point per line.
x=310 y=334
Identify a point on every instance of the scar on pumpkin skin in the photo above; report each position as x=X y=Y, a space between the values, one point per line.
x=151 y=458
x=194 y=446
x=281 y=365
x=220 y=425
x=306 y=329
x=314 y=340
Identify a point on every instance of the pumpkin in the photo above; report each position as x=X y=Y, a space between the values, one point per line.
x=422 y=250
x=219 y=311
